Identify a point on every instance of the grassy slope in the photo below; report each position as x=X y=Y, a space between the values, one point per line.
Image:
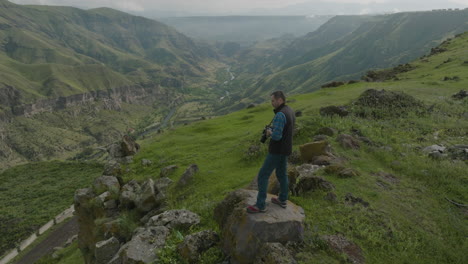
x=46 y=190
x=385 y=41
x=406 y=222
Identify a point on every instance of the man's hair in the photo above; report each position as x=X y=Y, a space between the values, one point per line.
x=279 y=94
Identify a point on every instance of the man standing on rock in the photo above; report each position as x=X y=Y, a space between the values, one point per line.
x=280 y=147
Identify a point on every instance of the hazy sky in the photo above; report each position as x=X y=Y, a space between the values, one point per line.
x=258 y=6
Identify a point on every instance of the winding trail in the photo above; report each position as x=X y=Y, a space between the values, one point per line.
x=57 y=238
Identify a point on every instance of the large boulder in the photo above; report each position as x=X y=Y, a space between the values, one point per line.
x=458 y=152
x=195 y=244
x=188 y=175
x=314 y=149
x=129 y=146
x=106 y=249
x=106 y=183
x=129 y=194
x=244 y=234
x=143 y=246
x=180 y=219
x=149 y=197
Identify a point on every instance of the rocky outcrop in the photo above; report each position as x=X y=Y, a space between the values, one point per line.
x=112 y=99
x=180 y=219
x=195 y=244
x=244 y=234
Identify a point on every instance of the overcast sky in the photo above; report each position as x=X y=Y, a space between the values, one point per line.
x=267 y=7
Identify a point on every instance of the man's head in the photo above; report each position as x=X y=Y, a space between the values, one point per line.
x=277 y=99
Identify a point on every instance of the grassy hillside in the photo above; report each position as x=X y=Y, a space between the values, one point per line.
x=60 y=51
x=345 y=47
x=45 y=190
x=408 y=220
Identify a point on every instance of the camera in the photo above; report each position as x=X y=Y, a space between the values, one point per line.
x=264 y=134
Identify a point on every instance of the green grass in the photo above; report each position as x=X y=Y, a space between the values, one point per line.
x=35 y=193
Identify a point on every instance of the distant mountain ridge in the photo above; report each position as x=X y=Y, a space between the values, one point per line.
x=347 y=46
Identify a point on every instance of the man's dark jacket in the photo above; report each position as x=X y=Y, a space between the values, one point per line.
x=284 y=146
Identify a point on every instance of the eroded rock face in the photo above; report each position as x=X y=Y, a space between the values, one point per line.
x=243 y=234
x=181 y=219
x=195 y=244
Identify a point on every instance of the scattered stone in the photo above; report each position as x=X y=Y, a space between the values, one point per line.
x=335 y=168
x=143 y=246
x=341 y=244
x=310 y=150
x=298 y=113
x=437 y=155
x=348 y=173
x=320 y=138
x=348 y=141
x=322 y=160
x=327 y=131
x=313 y=183
x=115 y=151
x=459 y=152
x=148 y=198
x=129 y=146
x=106 y=249
x=387 y=177
x=112 y=168
x=307 y=170
x=295 y=158
x=83 y=196
x=274 y=253
x=243 y=234
x=146 y=162
x=195 y=244
x=188 y=175
x=331 y=196
x=106 y=183
x=179 y=219
x=162 y=184
x=129 y=194
x=167 y=171
x=434 y=148
x=332 y=110
x=351 y=200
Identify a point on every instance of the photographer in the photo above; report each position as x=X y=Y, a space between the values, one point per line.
x=279 y=149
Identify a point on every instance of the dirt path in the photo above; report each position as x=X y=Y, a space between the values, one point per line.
x=57 y=238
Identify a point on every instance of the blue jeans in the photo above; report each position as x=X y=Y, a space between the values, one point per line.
x=272 y=162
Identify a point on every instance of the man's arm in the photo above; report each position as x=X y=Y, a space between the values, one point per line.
x=278 y=125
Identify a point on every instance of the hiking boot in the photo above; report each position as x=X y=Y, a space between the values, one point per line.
x=252 y=209
x=278 y=202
